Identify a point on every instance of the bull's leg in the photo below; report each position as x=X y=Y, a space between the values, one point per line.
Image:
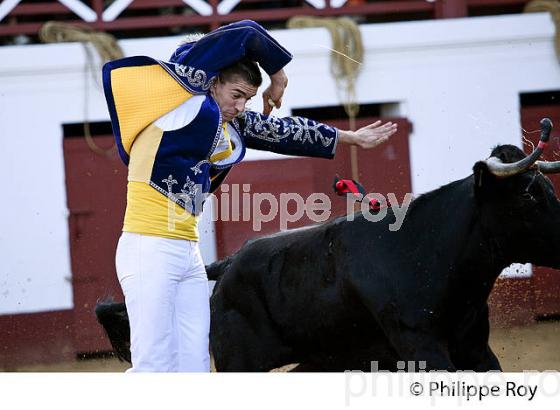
x=242 y=344
x=475 y=358
x=376 y=355
x=422 y=347
x=487 y=361
x=470 y=349
x=416 y=339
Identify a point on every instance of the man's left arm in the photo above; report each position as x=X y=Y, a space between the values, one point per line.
x=305 y=137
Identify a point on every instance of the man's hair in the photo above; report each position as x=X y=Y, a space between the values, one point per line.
x=243 y=69
x=191 y=38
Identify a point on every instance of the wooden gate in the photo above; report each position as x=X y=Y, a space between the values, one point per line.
x=96 y=193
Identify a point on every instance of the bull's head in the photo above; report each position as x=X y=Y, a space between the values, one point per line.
x=520 y=211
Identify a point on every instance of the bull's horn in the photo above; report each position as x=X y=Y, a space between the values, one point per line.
x=503 y=170
x=548 y=167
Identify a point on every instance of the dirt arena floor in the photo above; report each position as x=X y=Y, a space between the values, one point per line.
x=534 y=347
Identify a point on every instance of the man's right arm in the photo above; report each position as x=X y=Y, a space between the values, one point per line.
x=226 y=45
x=272 y=96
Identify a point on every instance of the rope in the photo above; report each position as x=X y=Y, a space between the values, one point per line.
x=347 y=55
x=107 y=48
x=553 y=7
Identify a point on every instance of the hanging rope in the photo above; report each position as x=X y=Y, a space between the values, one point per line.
x=347 y=55
x=553 y=7
x=107 y=49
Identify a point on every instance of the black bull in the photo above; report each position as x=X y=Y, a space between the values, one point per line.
x=344 y=294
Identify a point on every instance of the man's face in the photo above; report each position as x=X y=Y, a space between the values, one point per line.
x=232 y=96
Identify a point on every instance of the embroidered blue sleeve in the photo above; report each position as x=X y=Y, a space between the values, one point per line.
x=225 y=45
x=290 y=135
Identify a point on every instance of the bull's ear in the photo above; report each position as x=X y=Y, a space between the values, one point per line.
x=484 y=181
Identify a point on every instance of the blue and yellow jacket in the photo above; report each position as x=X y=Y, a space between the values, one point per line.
x=169 y=130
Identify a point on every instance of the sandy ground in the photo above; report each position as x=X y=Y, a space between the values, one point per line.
x=534 y=347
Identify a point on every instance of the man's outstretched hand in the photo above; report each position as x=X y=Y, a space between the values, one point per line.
x=369 y=136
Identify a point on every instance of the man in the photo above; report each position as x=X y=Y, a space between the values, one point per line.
x=180 y=126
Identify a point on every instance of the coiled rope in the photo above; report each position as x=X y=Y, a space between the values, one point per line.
x=553 y=7
x=347 y=55
x=107 y=49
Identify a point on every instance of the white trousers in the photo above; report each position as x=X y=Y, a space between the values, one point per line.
x=166 y=293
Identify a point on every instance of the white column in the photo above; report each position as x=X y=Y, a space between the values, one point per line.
x=6 y=6
x=200 y=6
x=83 y=11
x=115 y=9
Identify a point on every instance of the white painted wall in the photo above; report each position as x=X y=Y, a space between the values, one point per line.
x=457 y=80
